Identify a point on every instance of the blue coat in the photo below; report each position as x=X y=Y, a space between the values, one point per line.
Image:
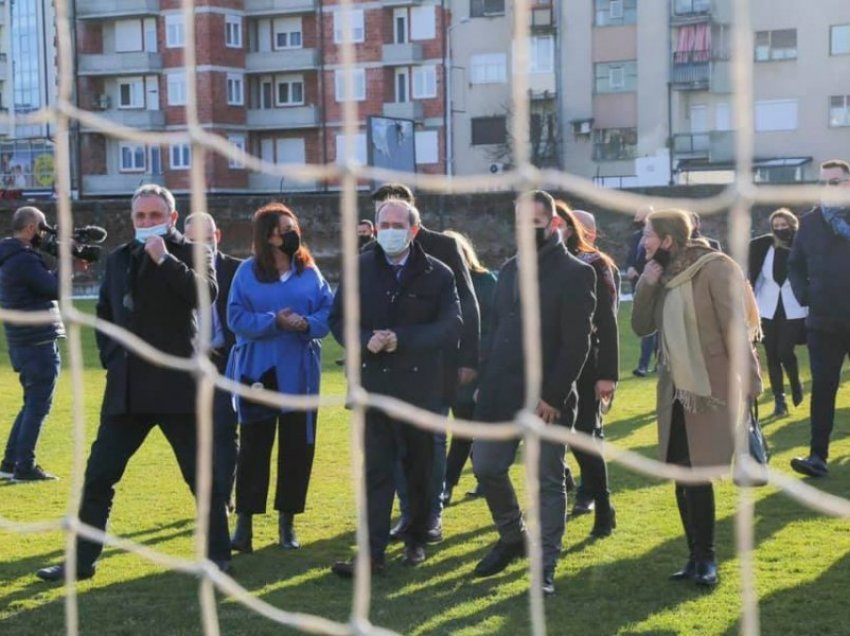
x=287 y=361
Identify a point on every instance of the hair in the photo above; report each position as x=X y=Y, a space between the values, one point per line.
x=154 y=190
x=836 y=163
x=788 y=215
x=366 y=222
x=412 y=212
x=467 y=250
x=263 y=223
x=676 y=224
x=200 y=216
x=25 y=216
x=577 y=242
x=540 y=196
x=393 y=191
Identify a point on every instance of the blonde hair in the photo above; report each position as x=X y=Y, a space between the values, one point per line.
x=676 y=224
x=788 y=215
x=468 y=251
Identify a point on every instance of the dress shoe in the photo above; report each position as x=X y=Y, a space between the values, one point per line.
x=705 y=573
x=604 y=522
x=243 y=534
x=446 y=497
x=583 y=506
x=400 y=529
x=686 y=573
x=7 y=470
x=499 y=557
x=345 y=569
x=414 y=554
x=56 y=573
x=33 y=473
x=286 y=529
x=811 y=466
x=435 y=531
x=796 y=393
x=477 y=492
x=548 y=583
x=780 y=407
x=640 y=372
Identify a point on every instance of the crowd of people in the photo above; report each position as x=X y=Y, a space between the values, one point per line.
x=440 y=331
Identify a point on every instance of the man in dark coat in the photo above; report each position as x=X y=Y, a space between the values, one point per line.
x=409 y=316
x=460 y=370
x=567 y=303
x=150 y=289
x=819 y=271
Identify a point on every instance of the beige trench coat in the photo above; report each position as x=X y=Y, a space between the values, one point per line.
x=716 y=289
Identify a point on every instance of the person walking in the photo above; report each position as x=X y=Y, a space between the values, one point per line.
x=635 y=262
x=278 y=309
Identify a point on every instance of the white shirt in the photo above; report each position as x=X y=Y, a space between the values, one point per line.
x=768 y=292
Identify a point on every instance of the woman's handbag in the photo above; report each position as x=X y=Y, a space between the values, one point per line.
x=251 y=411
x=759 y=450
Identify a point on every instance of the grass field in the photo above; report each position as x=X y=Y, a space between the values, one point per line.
x=615 y=586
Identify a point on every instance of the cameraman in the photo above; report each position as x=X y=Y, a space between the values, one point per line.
x=26 y=284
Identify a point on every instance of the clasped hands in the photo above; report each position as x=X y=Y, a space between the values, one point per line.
x=288 y=320
x=383 y=340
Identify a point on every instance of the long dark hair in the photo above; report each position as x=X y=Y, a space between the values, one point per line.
x=577 y=242
x=264 y=223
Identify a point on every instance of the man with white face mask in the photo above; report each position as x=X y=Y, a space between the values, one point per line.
x=149 y=288
x=409 y=316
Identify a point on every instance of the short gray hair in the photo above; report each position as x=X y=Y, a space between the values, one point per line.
x=154 y=190
x=200 y=216
x=413 y=215
x=25 y=216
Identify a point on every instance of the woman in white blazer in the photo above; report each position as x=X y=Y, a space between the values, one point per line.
x=783 y=318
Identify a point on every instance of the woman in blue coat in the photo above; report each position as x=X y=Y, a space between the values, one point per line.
x=278 y=308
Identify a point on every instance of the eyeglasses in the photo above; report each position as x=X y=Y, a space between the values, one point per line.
x=834 y=182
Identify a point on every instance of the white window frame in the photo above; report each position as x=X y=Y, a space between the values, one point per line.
x=121 y=43
x=235 y=89
x=423 y=82
x=233 y=31
x=360 y=150
x=401 y=36
x=846 y=113
x=154 y=158
x=176 y=88
x=539 y=63
x=175 y=34
x=137 y=91
x=617 y=72
x=615 y=14
x=134 y=150
x=358 y=25
x=488 y=68
x=846 y=49
x=423 y=23
x=182 y=152
x=359 y=85
x=291 y=80
x=240 y=142
x=287 y=26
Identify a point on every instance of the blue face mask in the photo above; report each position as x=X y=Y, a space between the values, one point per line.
x=144 y=233
x=393 y=241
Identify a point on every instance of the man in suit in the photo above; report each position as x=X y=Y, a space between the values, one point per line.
x=460 y=368
x=150 y=289
x=201 y=227
x=567 y=304
x=410 y=315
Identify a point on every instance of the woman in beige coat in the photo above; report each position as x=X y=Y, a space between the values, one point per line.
x=688 y=293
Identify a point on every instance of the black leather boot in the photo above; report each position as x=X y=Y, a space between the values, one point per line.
x=243 y=535
x=286 y=527
x=605 y=520
x=780 y=408
x=687 y=572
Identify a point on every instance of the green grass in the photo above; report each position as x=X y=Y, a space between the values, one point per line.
x=615 y=586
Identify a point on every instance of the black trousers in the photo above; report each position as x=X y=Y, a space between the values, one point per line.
x=295 y=450
x=594 y=470
x=385 y=440
x=118 y=439
x=827 y=351
x=781 y=335
x=696 y=503
x=225 y=442
x=460 y=446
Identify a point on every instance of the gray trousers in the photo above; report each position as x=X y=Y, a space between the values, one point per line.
x=491 y=461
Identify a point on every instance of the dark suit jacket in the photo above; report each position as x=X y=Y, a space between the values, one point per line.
x=567 y=304
x=759 y=247
x=424 y=312
x=225 y=270
x=156 y=303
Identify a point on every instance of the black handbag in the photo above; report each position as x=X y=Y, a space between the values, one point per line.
x=758 y=447
x=251 y=411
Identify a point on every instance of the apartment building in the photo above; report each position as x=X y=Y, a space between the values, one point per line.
x=269 y=79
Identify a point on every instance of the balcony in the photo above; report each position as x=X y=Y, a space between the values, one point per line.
x=279 y=7
x=276 y=118
x=91 y=9
x=701 y=71
x=285 y=60
x=716 y=146
x=119 y=64
x=134 y=118
x=404 y=110
x=401 y=54
x=690 y=12
x=118 y=183
x=259 y=182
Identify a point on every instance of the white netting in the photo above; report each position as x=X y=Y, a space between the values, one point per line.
x=739 y=198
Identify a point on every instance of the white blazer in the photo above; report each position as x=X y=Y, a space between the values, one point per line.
x=768 y=291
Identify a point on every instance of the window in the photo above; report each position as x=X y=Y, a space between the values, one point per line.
x=839 y=39
x=150 y=35
x=128 y=35
x=839 y=111
x=423 y=24
x=233 y=31
x=176 y=89
x=614 y=144
x=266 y=92
x=359 y=85
x=288 y=34
x=174 y=36
x=489 y=68
x=235 y=89
x=131 y=93
x=131 y=158
x=489 y=130
x=615 y=12
x=290 y=90
x=616 y=77
x=427 y=144
x=424 y=82
x=155 y=160
x=400 y=26
x=484 y=8
x=181 y=157
x=402 y=81
x=776 y=45
x=356 y=19
x=780 y=114
x=778 y=174
x=542 y=54
x=239 y=142
x=359 y=149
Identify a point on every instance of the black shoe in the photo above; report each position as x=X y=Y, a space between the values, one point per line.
x=399 y=531
x=548 y=584
x=286 y=530
x=56 y=573
x=796 y=394
x=243 y=535
x=686 y=573
x=780 y=408
x=446 y=497
x=7 y=470
x=435 y=532
x=583 y=506
x=640 y=372
x=604 y=523
x=413 y=555
x=345 y=569
x=34 y=473
x=478 y=492
x=705 y=573
x=811 y=466
x=499 y=557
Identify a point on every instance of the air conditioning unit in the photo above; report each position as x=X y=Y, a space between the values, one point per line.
x=582 y=126
x=103 y=102
x=497 y=168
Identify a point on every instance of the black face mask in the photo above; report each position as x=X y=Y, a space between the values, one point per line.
x=362 y=241
x=291 y=243
x=662 y=257
x=540 y=236
x=786 y=235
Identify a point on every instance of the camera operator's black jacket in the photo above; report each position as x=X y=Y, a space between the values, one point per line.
x=26 y=284
x=157 y=303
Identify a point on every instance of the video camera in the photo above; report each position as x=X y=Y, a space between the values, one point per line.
x=84 y=242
